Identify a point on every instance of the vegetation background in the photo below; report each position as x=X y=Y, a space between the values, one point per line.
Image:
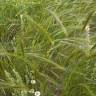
x=50 y=41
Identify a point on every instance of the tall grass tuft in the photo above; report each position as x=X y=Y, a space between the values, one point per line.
x=47 y=47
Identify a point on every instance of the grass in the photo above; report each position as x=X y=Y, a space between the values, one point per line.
x=47 y=41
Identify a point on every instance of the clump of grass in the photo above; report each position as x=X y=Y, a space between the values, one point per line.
x=47 y=41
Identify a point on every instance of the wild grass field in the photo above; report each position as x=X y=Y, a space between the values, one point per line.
x=47 y=47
